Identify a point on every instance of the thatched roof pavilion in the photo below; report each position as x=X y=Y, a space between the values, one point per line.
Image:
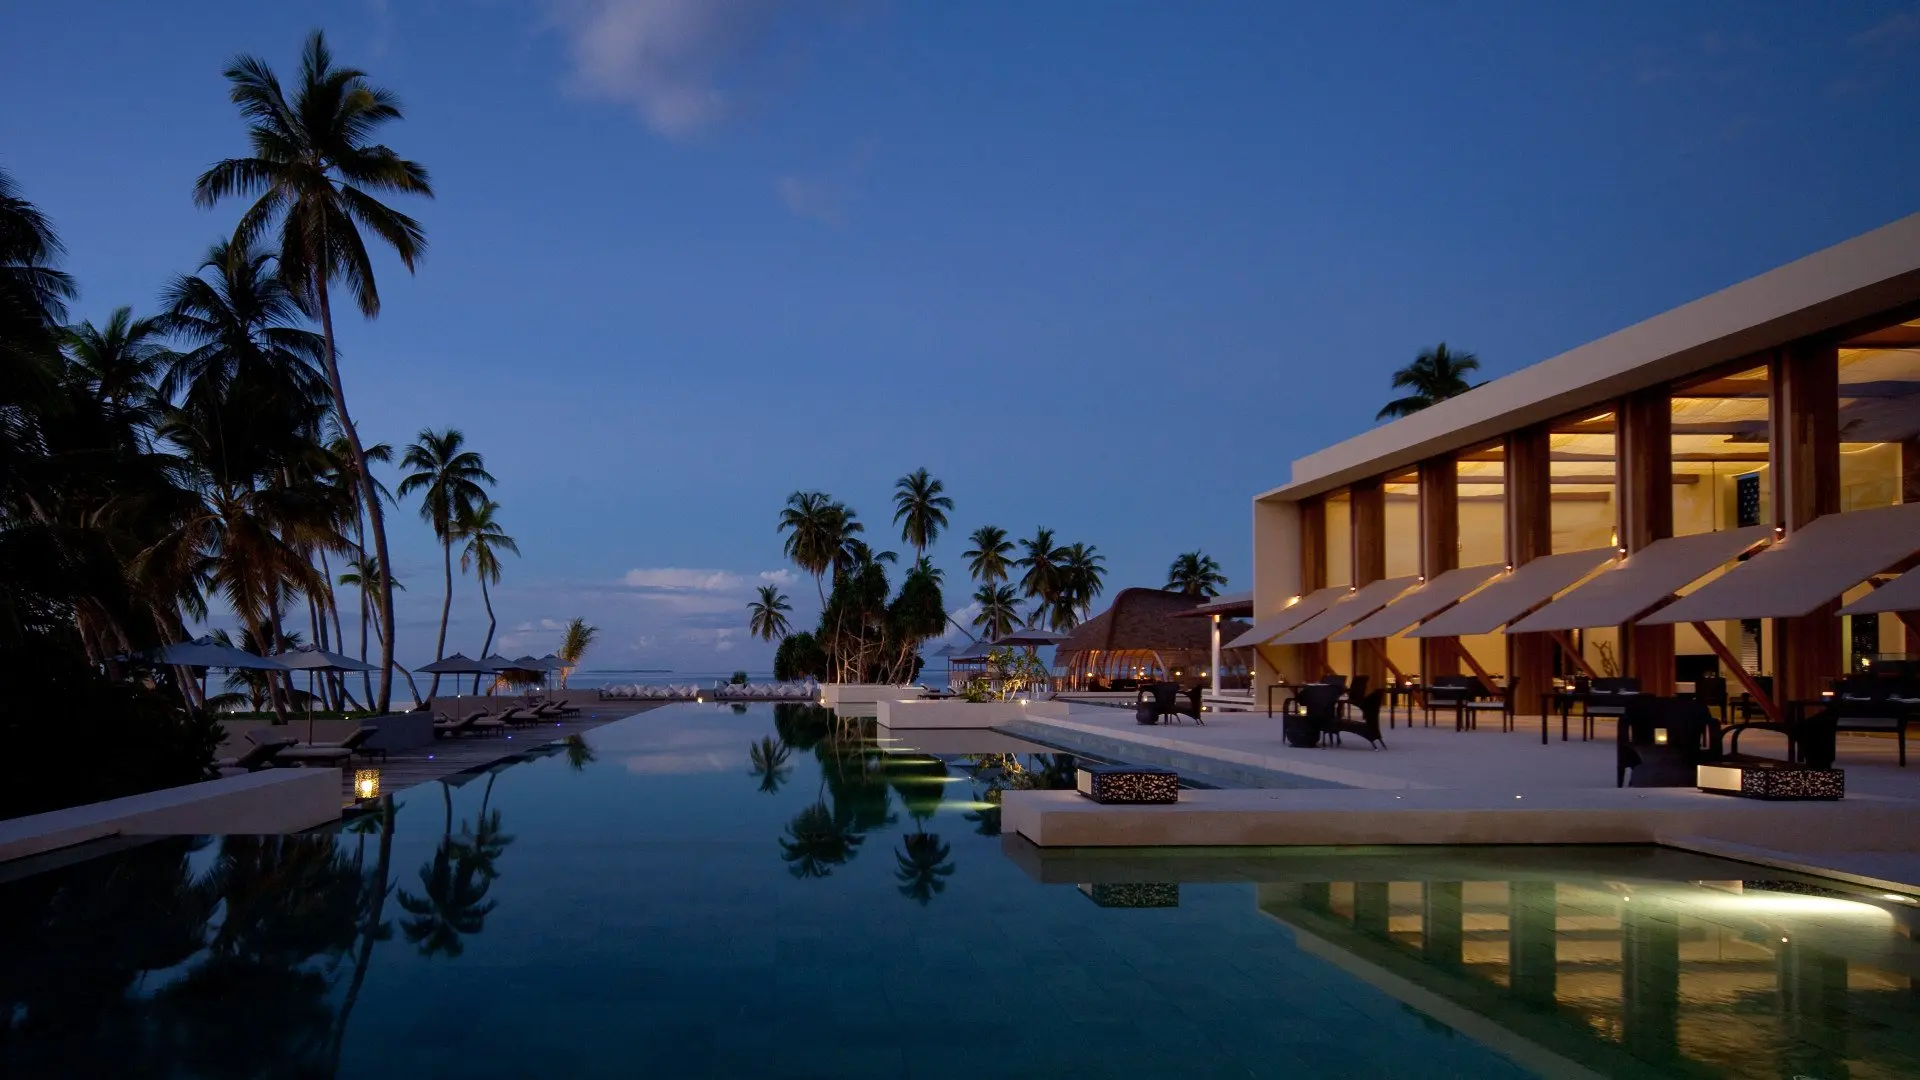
x=1144 y=635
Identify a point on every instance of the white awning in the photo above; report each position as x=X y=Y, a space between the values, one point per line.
x=1357 y=605
x=1642 y=581
x=1513 y=595
x=1288 y=617
x=1422 y=603
x=1817 y=563
x=1900 y=594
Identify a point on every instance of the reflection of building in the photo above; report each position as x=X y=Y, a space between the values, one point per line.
x=1578 y=975
x=1145 y=635
x=1770 y=405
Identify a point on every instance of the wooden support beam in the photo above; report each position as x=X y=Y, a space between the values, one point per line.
x=1565 y=641
x=1806 y=485
x=1380 y=647
x=1911 y=621
x=1529 y=534
x=1439 y=551
x=1645 y=518
x=1760 y=697
x=1474 y=664
x=1367 y=514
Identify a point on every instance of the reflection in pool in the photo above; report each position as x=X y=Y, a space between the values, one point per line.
x=831 y=902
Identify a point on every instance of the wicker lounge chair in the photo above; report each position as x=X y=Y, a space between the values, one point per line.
x=343 y=750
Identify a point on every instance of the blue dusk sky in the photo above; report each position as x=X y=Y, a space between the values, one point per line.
x=1107 y=268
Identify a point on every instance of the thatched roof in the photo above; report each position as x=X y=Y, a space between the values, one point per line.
x=1147 y=619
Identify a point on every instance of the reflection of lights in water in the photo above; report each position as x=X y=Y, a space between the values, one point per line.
x=1785 y=904
x=968 y=804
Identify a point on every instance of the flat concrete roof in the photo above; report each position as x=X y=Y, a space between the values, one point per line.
x=1871 y=274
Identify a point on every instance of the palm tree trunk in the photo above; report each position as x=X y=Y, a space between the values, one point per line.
x=368 y=492
x=487 y=600
x=446 y=607
x=369 y=929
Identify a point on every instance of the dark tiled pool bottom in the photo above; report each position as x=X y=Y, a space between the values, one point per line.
x=702 y=892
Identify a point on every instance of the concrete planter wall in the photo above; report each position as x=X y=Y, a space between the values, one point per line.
x=834 y=695
x=272 y=801
x=907 y=715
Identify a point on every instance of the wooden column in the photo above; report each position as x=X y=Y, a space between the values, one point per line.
x=1910 y=470
x=1806 y=484
x=1367 y=512
x=1439 y=496
x=1644 y=496
x=1313 y=575
x=1529 y=536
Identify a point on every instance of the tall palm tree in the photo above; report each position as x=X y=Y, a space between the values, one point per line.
x=1041 y=582
x=920 y=508
x=1084 y=572
x=817 y=529
x=1195 y=574
x=448 y=478
x=123 y=360
x=364 y=576
x=999 y=611
x=1434 y=376
x=990 y=556
x=315 y=170
x=767 y=616
x=574 y=644
x=485 y=542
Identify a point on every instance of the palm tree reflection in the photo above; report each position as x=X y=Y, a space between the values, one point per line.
x=453 y=904
x=816 y=843
x=922 y=867
x=768 y=761
x=579 y=754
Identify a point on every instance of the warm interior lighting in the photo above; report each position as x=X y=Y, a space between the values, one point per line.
x=366 y=784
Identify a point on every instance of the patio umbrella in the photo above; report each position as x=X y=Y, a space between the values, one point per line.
x=1031 y=638
x=208 y=653
x=312 y=659
x=458 y=664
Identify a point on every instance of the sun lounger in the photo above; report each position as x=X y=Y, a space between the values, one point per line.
x=448 y=726
x=333 y=752
x=260 y=756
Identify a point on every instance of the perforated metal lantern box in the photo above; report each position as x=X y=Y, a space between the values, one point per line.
x=1135 y=894
x=1128 y=784
x=1764 y=779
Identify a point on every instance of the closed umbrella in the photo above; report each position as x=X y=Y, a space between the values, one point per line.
x=1031 y=638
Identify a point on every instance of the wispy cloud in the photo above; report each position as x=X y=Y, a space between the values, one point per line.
x=668 y=59
x=1893 y=31
x=673 y=577
x=824 y=195
x=782 y=577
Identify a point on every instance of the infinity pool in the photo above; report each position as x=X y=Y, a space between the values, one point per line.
x=762 y=891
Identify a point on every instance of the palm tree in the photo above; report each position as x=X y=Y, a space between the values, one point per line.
x=452 y=904
x=315 y=170
x=920 y=509
x=990 y=556
x=999 y=611
x=448 y=478
x=574 y=645
x=1434 y=376
x=817 y=531
x=768 y=761
x=122 y=361
x=767 y=616
x=1042 y=565
x=485 y=541
x=1195 y=574
x=364 y=576
x=1084 y=575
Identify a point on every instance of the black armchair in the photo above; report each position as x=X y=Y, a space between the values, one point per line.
x=1309 y=714
x=1661 y=741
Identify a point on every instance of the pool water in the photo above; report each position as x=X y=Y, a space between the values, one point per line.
x=764 y=891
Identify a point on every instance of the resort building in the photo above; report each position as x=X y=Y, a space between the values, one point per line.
x=1755 y=453
x=1152 y=634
